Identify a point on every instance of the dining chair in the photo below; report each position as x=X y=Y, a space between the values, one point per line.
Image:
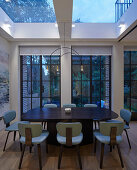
x=94 y=120
x=48 y=106
x=69 y=134
x=69 y=105
x=8 y=117
x=111 y=134
x=126 y=116
x=32 y=134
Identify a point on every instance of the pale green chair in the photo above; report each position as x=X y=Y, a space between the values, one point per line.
x=126 y=116
x=69 y=134
x=8 y=117
x=48 y=106
x=111 y=134
x=32 y=134
x=93 y=106
x=69 y=105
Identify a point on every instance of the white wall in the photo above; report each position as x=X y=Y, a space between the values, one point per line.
x=117 y=81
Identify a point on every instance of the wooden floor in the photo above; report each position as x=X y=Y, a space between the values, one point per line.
x=9 y=159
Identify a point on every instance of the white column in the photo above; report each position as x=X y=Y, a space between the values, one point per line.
x=117 y=68
x=66 y=75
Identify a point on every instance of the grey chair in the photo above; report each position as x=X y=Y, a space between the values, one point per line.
x=69 y=105
x=111 y=134
x=8 y=117
x=69 y=134
x=32 y=134
x=94 y=120
x=126 y=116
x=48 y=106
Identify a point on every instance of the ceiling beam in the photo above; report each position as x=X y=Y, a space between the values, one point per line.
x=63 y=11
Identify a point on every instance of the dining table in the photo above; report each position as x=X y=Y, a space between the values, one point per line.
x=78 y=114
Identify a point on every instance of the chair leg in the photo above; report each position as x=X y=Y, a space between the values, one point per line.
x=46 y=146
x=14 y=136
x=79 y=158
x=128 y=139
x=20 y=146
x=21 y=158
x=119 y=152
x=30 y=149
x=6 y=141
x=39 y=154
x=101 y=155
x=95 y=143
x=95 y=124
x=60 y=156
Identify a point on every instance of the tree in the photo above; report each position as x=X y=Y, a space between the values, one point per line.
x=29 y=11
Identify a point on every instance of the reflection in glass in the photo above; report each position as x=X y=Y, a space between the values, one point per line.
x=133 y=57
x=35 y=102
x=96 y=72
x=86 y=72
x=126 y=57
x=95 y=88
x=85 y=89
x=104 y=72
x=46 y=89
x=76 y=88
x=104 y=88
x=76 y=72
x=134 y=72
x=126 y=72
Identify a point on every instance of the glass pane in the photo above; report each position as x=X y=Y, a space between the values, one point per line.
x=26 y=104
x=105 y=59
x=55 y=71
x=134 y=104
x=85 y=100
x=46 y=101
x=104 y=72
x=96 y=100
x=86 y=60
x=95 y=60
x=85 y=89
x=35 y=72
x=133 y=57
x=133 y=72
x=133 y=88
x=55 y=88
x=26 y=73
x=126 y=102
x=45 y=72
x=127 y=57
x=26 y=89
x=26 y=59
x=55 y=60
x=76 y=60
x=35 y=89
x=76 y=72
x=86 y=72
x=45 y=60
x=56 y=100
x=46 y=88
x=35 y=59
x=126 y=72
x=127 y=88
x=104 y=88
x=35 y=102
x=96 y=72
x=105 y=102
x=77 y=101
x=95 y=88
x=76 y=88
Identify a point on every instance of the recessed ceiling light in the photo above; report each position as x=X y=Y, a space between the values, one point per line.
x=56 y=25
x=8 y=0
x=73 y=25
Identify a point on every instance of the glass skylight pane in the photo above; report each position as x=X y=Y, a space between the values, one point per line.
x=94 y=11
x=29 y=11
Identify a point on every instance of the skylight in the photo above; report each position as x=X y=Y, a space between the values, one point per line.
x=29 y=11
x=94 y=11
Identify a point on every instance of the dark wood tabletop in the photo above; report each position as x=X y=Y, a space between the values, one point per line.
x=78 y=113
